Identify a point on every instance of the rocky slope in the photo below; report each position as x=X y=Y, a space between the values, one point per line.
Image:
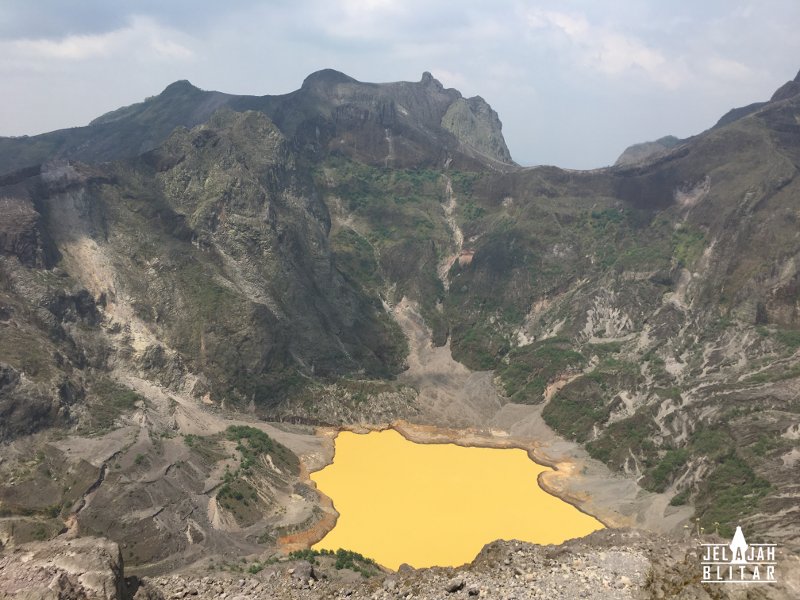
x=201 y=260
x=618 y=565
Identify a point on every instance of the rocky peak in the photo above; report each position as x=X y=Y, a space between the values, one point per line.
x=325 y=78
x=180 y=86
x=429 y=80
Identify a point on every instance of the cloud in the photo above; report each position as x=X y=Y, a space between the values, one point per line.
x=605 y=50
x=358 y=19
x=554 y=69
x=724 y=68
x=141 y=37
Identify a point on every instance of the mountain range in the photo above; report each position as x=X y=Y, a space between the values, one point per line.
x=250 y=253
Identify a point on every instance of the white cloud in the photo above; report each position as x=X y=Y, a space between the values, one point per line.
x=450 y=78
x=724 y=68
x=606 y=50
x=357 y=19
x=142 y=36
x=78 y=47
x=554 y=69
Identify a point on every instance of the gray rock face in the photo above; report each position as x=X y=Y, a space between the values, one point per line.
x=21 y=232
x=477 y=126
x=85 y=568
x=24 y=406
x=303 y=571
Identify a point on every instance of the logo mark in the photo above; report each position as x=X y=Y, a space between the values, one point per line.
x=738 y=562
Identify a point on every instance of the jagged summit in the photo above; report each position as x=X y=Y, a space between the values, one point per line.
x=430 y=80
x=400 y=123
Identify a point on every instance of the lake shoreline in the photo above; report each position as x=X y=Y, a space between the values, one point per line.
x=430 y=434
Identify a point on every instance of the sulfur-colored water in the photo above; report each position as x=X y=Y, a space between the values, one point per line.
x=438 y=504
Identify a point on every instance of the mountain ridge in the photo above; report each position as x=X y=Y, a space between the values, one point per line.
x=255 y=266
x=645 y=150
x=326 y=103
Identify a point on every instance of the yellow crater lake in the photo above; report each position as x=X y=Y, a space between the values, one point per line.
x=437 y=504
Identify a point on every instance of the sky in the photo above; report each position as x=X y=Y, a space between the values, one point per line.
x=574 y=81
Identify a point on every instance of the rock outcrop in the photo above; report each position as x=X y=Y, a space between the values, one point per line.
x=77 y=569
x=618 y=565
x=477 y=126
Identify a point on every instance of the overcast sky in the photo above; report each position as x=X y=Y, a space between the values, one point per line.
x=574 y=81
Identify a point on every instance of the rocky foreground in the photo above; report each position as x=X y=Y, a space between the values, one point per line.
x=610 y=564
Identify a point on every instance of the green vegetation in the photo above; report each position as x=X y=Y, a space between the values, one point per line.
x=709 y=441
x=766 y=444
x=471 y=211
x=777 y=373
x=393 y=201
x=680 y=498
x=476 y=345
x=633 y=434
x=729 y=493
x=659 y=478
x=253 y=443
x=355 y=257
x=610 y=365
x=575 y=417
x=238 y=493
x=789 y=338
x=401 y=237
x=464 y=182
x=687 y=246
x=207 y=447
x=256 y=567
x=108 y=400
x=530 y=368
x=343 y=559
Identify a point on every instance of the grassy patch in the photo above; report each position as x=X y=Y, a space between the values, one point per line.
x=354 y=256
x=532 y=367
x=619 y=439
x=107 y=401
x=659 y=478
x=207 y=447
x=252 y=443
x=681 y=498
x=709 y=441
x=687 y=246
x=476 y=345
x=577 y=408
x=237 y=493
x=343 y=559
x=729 y=493
x=789 y=338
